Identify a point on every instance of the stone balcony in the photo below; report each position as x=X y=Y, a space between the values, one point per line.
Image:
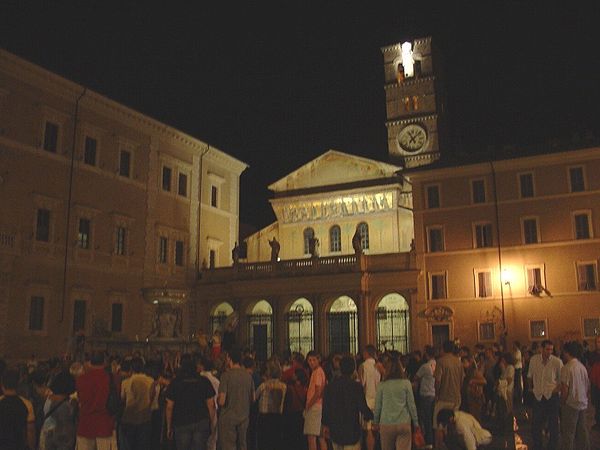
x=9 y=243
x=311 y=266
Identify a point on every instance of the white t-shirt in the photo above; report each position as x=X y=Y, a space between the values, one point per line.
x=370 y=378
x=574 y=375
x=426 y=378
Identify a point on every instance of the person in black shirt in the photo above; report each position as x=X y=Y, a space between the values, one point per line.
x=343 y=400
x=17 y=427
x=190 y=407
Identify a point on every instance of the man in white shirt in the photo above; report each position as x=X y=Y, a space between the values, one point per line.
x=575 y=386
x=462 y=430
x=518 y=357
x=544 y=374
x=426 y=382
x=370 y=376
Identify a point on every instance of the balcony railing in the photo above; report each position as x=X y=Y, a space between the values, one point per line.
x=9 y=242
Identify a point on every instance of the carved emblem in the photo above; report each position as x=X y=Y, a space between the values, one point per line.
x=438 y=313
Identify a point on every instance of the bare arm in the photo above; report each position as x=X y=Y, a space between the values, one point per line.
x=169 y=416
x=212 y=411
x=221 y=399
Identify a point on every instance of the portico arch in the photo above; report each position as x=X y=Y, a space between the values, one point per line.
x=219 y=316
x=299 y=319
x=392 y=316
x=260 y=329
x=342 y=321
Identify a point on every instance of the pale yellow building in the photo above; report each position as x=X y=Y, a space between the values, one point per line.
x=108 y=216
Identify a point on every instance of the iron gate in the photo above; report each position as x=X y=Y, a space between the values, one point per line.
x=392 y=329
x=343 y=332
x=260 y=335
x=300 y=328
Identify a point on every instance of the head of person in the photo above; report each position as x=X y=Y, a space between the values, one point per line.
x=347 y=365
x=300 y=376
x=467 y=361
x=506 y=359
x=448 y=347
x=369 y=352
x=429 y=352
x=62 y=384
x=10 y=380
x=204 y=364
x=313 y=359
x=445 y=417
x=273 y=370
x=249 y=363
x=572 y=350
x=547 y=348
x=234 y=356
x=97 y=358
x=516 y=345
x=394 y=370
x=187 y=367
x=137 y=365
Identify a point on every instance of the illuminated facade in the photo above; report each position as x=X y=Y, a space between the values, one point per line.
x=109 y=242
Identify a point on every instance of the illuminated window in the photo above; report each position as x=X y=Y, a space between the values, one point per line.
x=587 y=276
x=483 y=235
x=581 y=223
x=530 y=230
x=415 y=103
x=42 y=229
x=335 y=239
x=89 y=151
x=116 y=318
x=125 y=163
x=406 y=102
x=487 y=331
x=433 y=196
x=478 y=188
x=167 y=173
x=182 y=185
x=363 y=230
x=591 y=327
x=163 y=249
x=536 y=284
x=51 y=137
x=435 y=239
x=84 y=234
x=36 y=314
x=483 y=283
x=179 y=253
x=120 y=241
x=538 y=329
x=400 y=73
x=308 y=234
x=437 y=286
x=576 y=179
x=526 y=185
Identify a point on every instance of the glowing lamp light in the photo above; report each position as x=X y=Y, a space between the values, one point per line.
x=507 y=276
x=407 y=60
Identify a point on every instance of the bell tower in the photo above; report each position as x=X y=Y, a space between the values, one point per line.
x=414 y=102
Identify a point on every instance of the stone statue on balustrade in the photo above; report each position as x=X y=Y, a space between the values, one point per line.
x=235 y=254
x=275 y=246
x=357 y=242
x=313 y=247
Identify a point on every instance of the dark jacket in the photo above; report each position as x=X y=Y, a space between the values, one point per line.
x=343 y=400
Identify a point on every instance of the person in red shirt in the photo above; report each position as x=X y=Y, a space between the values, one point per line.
x=96 y=427
x=594 y=363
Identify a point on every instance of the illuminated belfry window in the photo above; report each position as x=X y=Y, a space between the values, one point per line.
x=406 y=101
x=335 y=239
x=400 y=73
x=415 y=102
x=308 y=234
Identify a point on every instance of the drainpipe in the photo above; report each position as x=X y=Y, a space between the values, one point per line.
x=199 y=213
x=504 y=332
x=70 y=196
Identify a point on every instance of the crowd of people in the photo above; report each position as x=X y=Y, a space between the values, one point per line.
x=228 y=400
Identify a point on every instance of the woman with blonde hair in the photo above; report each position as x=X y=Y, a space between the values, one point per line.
x=395 y=408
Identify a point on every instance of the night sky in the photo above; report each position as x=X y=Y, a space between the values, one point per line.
x=277 y=86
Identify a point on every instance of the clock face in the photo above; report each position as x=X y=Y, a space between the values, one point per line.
x=412 y=138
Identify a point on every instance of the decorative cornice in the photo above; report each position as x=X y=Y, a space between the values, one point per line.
x=409 y=82
x=414 y=119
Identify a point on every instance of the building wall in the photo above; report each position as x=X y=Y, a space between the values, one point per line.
x=564 y=306
x=33 y=178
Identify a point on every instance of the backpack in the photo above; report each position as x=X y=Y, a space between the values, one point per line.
x=114 y=406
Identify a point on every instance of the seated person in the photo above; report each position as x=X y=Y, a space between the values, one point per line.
x=462 y=430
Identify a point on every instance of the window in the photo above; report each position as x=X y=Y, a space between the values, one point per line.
x=483 y=283
x=182 y=185
x=587 y=277
x=120 y=241
x=435 y=239
x=116 y=318
x=308 y=234
x=163 y=245
x=125 y=163
x=538 y=329
x=89 y=151
x=591 y=327
x=437 y=286
x=83 y=237
x=478 y=187
x=179 y=253
x=42 y=229
x=212 y=259
x=487 y=331
x=36 y=314
x=581 y=222
x=530 y=230
x=335 y=239
x=433 y=196
x=79 y=315
x=535 y=280
x=576 y=179
x=214 y=196
x=483 y=235
x=363 y=230
x=51 y=137
x=526 y=185
x=415 y=102
x=166 y=178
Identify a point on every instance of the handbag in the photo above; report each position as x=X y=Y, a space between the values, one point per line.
x=418 y=438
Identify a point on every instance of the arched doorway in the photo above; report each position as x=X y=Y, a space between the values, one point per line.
x=392 y=317
x=300 y=326
x=219 y=316
x=260 y=329
x=343 y=326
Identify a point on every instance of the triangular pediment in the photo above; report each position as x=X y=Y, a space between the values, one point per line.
x=334 y=168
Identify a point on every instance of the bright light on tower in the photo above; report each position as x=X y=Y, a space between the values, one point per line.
x=407 y=60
